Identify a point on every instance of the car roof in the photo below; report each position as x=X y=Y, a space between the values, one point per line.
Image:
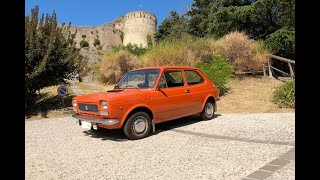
x=168 y=67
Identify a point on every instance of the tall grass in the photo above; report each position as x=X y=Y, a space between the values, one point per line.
x=244 y=53
x=284 y=95
x=187 y=51
x=116 y=64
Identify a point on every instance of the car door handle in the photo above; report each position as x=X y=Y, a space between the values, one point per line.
x=187 y=90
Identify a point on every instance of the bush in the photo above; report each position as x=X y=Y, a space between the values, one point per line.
x=284 y=95
x=132 y=48
x=245 y=54
x=96 y=42
x=84 y=43
x=219 y=70
x=187 y=51
x=116 y=64
x=282 y=42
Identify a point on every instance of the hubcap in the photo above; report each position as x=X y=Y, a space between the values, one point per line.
x=209 y=109
x=139 y=125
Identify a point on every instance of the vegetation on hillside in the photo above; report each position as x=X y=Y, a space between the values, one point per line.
x=284 y=95
x=51 y=55
x=115 y=64
x=233 y=52
x=259 y=19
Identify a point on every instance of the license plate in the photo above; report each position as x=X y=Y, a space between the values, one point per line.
x=86 y=125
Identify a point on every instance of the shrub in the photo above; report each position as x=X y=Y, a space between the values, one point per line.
x=96 y=42
x=245 y=54
x=282 y=42
x=84 y=43
x=219 y=70
x=116 y=64
x=132 y=48
x=284 y=95
x=187 y=51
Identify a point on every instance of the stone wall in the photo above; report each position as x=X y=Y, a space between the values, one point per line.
x=107 y=34
x=137 y=26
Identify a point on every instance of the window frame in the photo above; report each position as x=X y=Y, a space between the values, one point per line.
x=185 y=75
x=172 y=70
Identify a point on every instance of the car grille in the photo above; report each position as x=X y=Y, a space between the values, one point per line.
x=88 y=107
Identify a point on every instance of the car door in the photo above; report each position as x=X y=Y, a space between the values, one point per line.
x=197 y=90
x=171 y=99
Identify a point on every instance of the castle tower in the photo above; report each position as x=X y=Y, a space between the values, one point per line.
x=137 y=26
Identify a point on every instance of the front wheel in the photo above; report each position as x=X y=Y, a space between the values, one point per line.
x=208 y=111
x=138 y=126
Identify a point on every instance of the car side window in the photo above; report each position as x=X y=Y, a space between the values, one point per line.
x=173 y=78
x=193 y=77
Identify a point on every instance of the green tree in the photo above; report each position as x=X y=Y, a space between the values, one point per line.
x=50 y=54
x=282 y=42
x=258 y=18
x=173 y=27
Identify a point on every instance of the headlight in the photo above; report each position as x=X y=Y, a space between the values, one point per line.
x=74 y=103
x=104 y=104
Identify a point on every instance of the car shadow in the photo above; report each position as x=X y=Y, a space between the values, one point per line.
x=106 y=134
x=118 y=135
x=185 y=121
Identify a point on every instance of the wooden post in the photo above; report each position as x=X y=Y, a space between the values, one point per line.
x=291 y=71
x=269 y=66
x=264 y=71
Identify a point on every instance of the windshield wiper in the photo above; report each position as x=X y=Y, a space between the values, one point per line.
x=131 y=87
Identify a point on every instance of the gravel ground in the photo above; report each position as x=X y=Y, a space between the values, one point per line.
x=263 y=126
x=59 y=149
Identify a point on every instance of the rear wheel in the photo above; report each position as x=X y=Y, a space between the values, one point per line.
x=138 y=126
x=208 y=111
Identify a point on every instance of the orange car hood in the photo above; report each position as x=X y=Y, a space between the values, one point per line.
x=115 y=97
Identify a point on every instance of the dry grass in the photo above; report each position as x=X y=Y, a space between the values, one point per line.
x=250 y=95
x=186 y=51
x=48 y=105
x=244 y=53
x=115 y=64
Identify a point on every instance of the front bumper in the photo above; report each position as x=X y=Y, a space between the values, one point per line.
x=95 y=120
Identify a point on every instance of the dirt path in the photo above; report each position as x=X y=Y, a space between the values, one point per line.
x=250 y=95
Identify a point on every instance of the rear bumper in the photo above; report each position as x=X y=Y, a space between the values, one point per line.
x=95 y=120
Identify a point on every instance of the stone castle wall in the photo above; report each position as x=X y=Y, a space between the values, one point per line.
x=107 y=34
x=137 y=26
x=133 y=27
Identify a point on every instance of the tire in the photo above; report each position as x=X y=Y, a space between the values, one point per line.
x=138 y=126
x=208 y=111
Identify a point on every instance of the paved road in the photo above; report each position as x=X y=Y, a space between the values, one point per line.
x=231 y=146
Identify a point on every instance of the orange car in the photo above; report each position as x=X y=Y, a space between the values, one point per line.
x=145 y=97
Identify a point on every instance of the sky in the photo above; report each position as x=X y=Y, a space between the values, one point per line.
x=98 y=12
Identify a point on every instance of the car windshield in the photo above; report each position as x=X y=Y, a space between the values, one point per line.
x=139 y=79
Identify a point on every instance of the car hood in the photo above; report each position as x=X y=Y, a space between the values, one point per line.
x=115 y=96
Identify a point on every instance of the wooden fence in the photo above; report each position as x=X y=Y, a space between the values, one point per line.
x=290 y=62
